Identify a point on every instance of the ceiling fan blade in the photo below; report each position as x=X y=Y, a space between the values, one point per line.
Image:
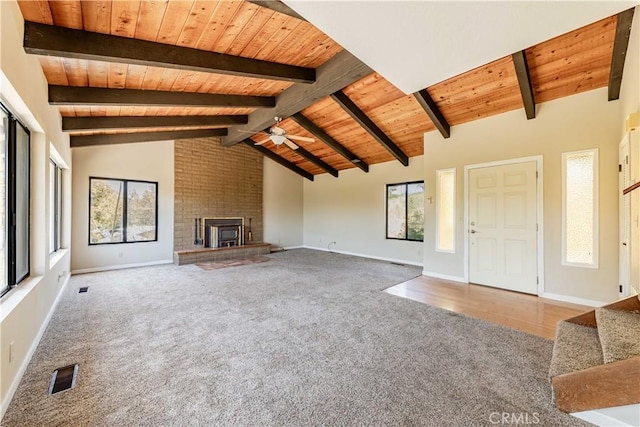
x=262 y=142
x=290 y=144
x=300 y=138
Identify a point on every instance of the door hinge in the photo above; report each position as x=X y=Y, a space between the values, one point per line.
x=620 y=288
x=537 y=280
x=536 y=174
x=626 y=160
x=536 y=227
x=619 y=168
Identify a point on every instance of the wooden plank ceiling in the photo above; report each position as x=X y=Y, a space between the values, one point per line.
x=572 y=63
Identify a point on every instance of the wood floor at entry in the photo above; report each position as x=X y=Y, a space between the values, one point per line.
x=527 y=313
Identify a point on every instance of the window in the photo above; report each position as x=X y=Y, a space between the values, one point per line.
x=14 y=198
x=405 y=211
x=55 y=208
x=580 y=208
x=122 y=211
x=446 y=210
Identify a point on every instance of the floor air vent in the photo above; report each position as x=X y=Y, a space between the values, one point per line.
x=63 y=379
x=83 y=289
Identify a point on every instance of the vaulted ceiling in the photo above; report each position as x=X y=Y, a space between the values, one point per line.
x=131 y=71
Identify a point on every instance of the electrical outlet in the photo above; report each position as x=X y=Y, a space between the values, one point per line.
x=11 y=352
x=120 y=254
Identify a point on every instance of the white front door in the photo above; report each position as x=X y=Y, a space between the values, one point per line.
x=502 y=226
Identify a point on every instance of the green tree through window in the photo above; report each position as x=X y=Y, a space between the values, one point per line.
x=122 y=211
x=405 y=211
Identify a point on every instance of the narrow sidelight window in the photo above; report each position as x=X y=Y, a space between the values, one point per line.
x=580 y=208
x=446 y=210
x=55 y=206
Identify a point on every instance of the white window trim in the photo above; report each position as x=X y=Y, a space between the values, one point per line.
x=439 y=173
x=596 y=185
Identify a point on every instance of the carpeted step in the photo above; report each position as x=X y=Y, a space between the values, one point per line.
x=619 y=333
x=576 y=347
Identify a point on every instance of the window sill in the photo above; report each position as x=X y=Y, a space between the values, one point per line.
x=55 y=257
x=15 y=296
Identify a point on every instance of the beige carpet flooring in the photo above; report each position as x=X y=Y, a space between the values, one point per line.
x=305 y=339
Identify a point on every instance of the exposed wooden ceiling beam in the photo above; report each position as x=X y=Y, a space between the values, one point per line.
x=315 y=130
x=129 y=122
x=49 y=40
x=335 y=74
x=73 y=95
x=316 y=160
x=284 y=162
x=277 y=6
x=432 y=110
x=367 y=124
x=124 y=138
x=524 y=80
x=620 y=45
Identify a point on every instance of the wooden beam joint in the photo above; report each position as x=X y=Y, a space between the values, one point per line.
x=367 y=124
x=432 y=110
x=335 y=74
x=620 y=45
x=316 y=131
x=524 y=81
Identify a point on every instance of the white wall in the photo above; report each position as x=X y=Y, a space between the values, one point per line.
x=25 y=310
x=350 y=210
x=148 y=161
x=577 y=122
x=282 y=205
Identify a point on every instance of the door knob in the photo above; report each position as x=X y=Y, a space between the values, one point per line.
x=472 y=231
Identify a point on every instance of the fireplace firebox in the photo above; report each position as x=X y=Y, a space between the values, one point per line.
x=222 y=232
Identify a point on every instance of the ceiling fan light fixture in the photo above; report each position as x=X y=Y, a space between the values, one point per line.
x=277 y=139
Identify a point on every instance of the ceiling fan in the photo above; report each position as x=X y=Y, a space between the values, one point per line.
x=279 y=136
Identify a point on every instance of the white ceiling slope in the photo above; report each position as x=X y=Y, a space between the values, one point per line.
x=415 y=44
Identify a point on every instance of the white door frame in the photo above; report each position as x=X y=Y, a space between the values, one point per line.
x=625 y=284
x=540 y=213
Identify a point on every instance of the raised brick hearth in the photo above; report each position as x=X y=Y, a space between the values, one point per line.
x=193 y=256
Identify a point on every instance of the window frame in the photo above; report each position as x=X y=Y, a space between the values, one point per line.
x=454 y=210
x=406 y=211
x=596 y=185
x=56 y=206
x=124 y=211
x=11 y=202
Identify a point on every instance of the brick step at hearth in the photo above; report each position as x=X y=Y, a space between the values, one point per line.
x=193 y=256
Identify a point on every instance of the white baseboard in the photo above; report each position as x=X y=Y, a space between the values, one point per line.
x=444 y=276
x=618 y=416
x=286 y=248
x=398 y=261
x=32 y=349
x=121 y=266
x=573 y=300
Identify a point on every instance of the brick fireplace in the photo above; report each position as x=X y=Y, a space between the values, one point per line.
x=212 y=181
